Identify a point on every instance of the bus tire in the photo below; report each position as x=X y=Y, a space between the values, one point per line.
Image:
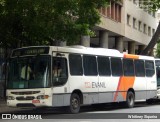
x=74 y=104
x=130 y=100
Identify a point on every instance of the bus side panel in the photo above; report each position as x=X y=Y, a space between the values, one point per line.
x=151 y=87
x=61 y=100
x=88 y=85
x=90 y=88
x=140 y=88
x=61 y=95
x=108 y=89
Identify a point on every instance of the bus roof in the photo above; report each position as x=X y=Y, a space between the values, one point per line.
x=89 y=50
x=85 y=50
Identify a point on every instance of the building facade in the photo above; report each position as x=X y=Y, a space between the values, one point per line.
x=126 y=25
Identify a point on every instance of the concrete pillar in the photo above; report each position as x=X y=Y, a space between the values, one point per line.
x=85 y=41
x=131 y=47
x=141 y=48
x=119 y=43
x=103 y=39
x=63 y=43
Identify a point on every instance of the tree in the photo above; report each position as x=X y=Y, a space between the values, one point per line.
x=154 y=5
x=35 y=22
x=158 y=50
x=152 y=43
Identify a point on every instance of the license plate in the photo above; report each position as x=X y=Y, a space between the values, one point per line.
x=35 y=101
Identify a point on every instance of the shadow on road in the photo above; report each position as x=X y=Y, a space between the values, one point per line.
x=91 y=108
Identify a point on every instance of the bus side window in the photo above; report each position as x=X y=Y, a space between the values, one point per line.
x=139 y=68
x=59 y=71
x=149 y=68
x=116 y=66
x=90 y=65
x=75 y=64
x=158 y=72
x=128 y=67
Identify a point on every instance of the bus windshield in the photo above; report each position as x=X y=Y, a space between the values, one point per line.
x=29 y=72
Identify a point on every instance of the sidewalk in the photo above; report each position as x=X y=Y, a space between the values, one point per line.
x=4 y=108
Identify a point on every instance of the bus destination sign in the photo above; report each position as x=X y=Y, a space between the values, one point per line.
x=30 y=51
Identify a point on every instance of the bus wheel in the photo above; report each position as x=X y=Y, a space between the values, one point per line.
x=74 y=104
x=130 y=99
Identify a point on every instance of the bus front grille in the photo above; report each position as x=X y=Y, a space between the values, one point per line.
x=25 y=98
x=25 y=92
x=25 y=105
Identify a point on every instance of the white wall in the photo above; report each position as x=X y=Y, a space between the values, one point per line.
x=144 y=17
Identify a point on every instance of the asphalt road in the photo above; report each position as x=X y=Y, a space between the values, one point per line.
x=118 y=112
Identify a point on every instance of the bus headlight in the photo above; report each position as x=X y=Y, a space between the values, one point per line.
x=158 y=92
x=42 y=97
x=10 y=98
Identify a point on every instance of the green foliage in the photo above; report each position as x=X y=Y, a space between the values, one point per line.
x=36 y=22
x=152 y=5
x=158 y=50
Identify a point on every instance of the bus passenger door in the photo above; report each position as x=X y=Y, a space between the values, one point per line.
x=59 y=76
x=151 y=79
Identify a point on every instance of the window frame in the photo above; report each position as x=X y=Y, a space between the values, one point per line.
x=133 y=70
x=82 y=72
x=149 y=69
x=120 y=74
x=108 y=59
x=84 y=67
x=139 y=70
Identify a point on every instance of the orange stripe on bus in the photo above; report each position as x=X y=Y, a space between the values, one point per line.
x=124 y=84
x=116 y=94
x=131 y=56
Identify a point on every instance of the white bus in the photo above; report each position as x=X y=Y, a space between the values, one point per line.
x=74 y=76
x=157 y=62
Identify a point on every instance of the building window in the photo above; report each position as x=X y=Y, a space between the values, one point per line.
x=135 y=1
x=140 y=26
x=134 y=23
x=112 y=10
x=140 y=3
x=144 y=28
x=109 y=11
x=153 y=31
x=119 y=15
x=153 y=14
x=128 y=19
x=150 y=12
x=104 y=11
x=118 y=12
x=149 y=31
